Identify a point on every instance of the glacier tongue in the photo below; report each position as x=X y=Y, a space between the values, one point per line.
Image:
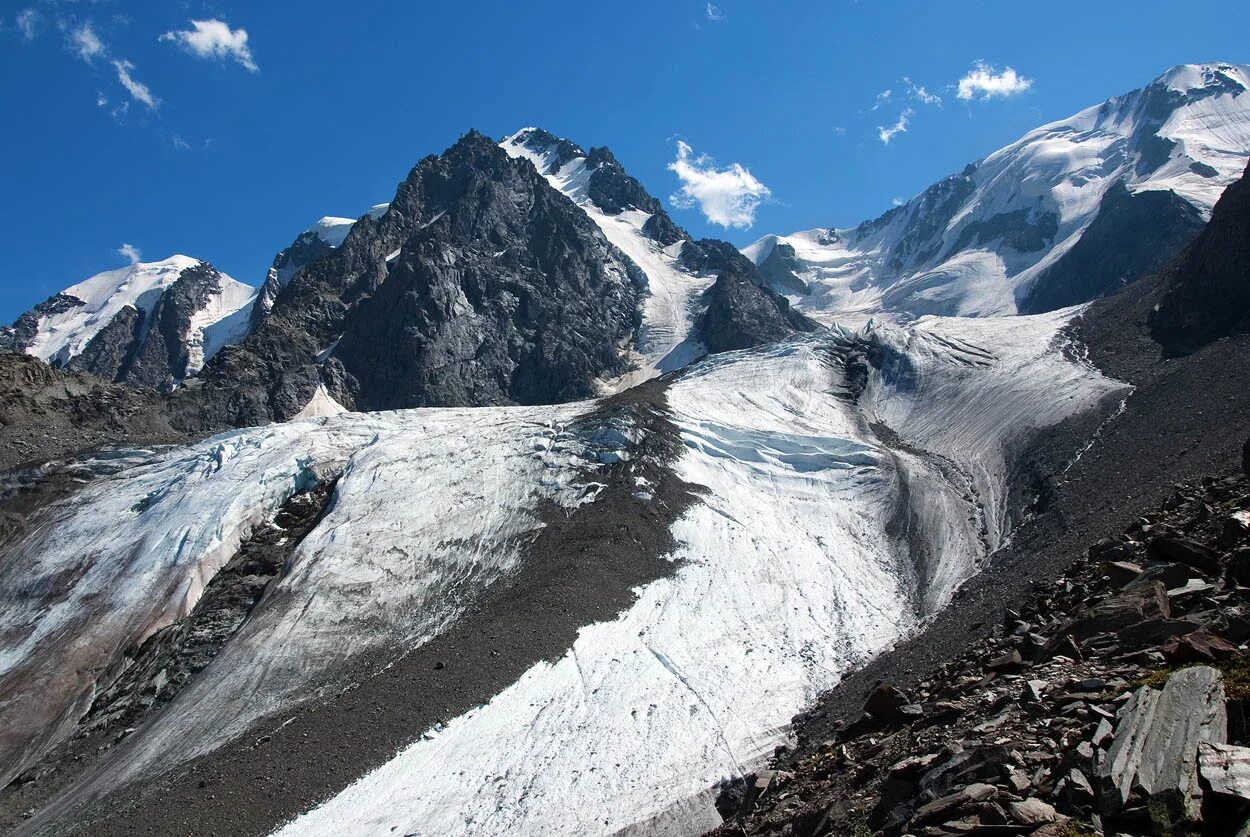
x=788 y=576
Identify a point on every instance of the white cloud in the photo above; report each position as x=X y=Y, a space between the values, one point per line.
x=180 y=143
x=883 y=98
x=714 y=13
x=728 y=197
x=27 y=21
x=921 y=95
x=130 y=252
x=897 y=201
x=984 y=81
x=137 y=90
x=85 y=43
x=100 y=99
x=900 y=127
x=214 y=39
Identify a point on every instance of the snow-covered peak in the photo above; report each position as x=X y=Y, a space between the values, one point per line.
x=1184 y=78
x=992 y=239
x=62 y=335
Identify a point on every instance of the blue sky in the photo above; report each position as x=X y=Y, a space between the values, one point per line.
x=234 y=135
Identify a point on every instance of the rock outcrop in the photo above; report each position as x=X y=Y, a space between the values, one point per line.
x=1205 y=295
x=742 y=314
x=48 y=413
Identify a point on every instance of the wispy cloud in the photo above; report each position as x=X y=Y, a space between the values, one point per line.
x=883 y=98
x=27 y=22
x=85 y=43
x=900 y=127
x=130 y=253
x=714 y=13
x=920 y=94
x=897 y=201
x=180 y=143
x=215 y=39
x=726 y=196
x=137 y=89
x=985 y=81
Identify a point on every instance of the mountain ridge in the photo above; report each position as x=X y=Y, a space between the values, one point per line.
x=992 y=239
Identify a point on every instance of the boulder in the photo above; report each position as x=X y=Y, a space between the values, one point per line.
x=1122 y=572
x=1184 y=551
x=1156 y=743
x=938 y=808
x=885 y=703
x=1031 y=812
x=1118 y=612
x=1198 y=647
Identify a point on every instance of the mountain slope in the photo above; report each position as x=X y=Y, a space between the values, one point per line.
x=679 y=271
x=310 y=245
x=151 y=324
x=1003 y=236
x=1205 y=295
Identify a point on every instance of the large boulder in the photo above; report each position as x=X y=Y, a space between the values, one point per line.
x=1155 y=751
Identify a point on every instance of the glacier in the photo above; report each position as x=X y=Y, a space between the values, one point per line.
x=833 y=521
x=789 y=574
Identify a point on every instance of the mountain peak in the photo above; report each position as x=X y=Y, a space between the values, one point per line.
x=1220 y=75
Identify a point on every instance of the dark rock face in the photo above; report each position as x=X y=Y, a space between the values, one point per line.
x=1132 y=236
x=480 y=285
x=741 y=314
x=1023 y=230
x=660 y=227
x=1205 y=294
x=161 y=359
x=931 y=214
x=711 y=256
x=780 y=270
x=108 y=354
x=17 y=337
x=612 y=189
x=305 y=250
